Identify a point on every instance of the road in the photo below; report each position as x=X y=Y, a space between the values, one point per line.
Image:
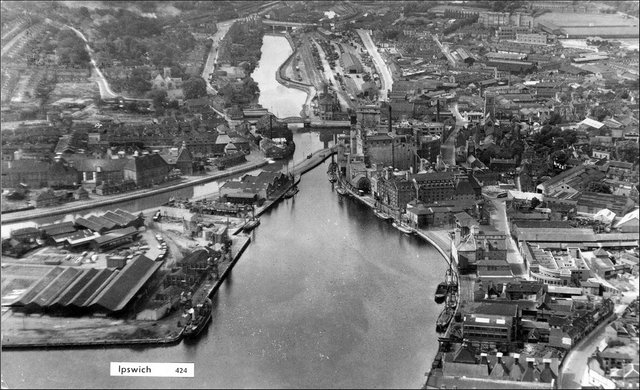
x=499 y=221
x=445 y=51
x=105 y=90
x=381 y=66
x=460 y=121
x=110 y=199
x=209 y=66
x=575 y=362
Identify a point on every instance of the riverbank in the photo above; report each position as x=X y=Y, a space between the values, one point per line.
x=440 y=239
x=43 y=331
x=53 y=332
x=317 y=158
x=287 y=82
x=117 y=198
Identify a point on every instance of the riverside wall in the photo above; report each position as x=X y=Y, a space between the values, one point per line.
x=40 y=213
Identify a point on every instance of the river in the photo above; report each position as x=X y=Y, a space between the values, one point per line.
x=326 y=295
x=282 y=101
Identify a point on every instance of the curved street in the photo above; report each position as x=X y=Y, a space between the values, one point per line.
x=105 y=90
x=381 y=66
x=212 y=59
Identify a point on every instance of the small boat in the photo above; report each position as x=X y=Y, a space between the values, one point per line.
x=332 y=177
x=452 y=300
x=342 y=191
x=251 y=224
x=443 y=319
x=381 y=214
x=403 y=228
x=200 y=317
x=451 y=279
x=291 y=192
x=441 y=292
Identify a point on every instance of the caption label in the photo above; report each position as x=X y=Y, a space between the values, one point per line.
x=185 y=370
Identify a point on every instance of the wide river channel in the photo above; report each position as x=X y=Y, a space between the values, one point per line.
x=326 y=295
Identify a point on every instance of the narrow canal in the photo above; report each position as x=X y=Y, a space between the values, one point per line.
x=326 y=295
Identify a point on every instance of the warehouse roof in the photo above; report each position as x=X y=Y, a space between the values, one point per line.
x=126 y=284
x=93 y=285
x=56 y=286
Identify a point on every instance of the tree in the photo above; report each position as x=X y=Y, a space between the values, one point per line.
x=139 y=82
x=84 y=13
x=535 y=202
x=158 y=96
x=555 y=118
x=194 y=88
x=628 y=151
x=599 y=187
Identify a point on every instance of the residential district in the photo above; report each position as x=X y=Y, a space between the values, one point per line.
x=504 y=133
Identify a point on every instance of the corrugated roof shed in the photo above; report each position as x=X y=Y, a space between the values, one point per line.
x=108 y=224
x=118 y=219
x=126 y=215
x=95 y=284
x=85 y=223
x=124 y=286
x=57 y=285
x=58 y=228
x=115 y=234
x=37 y=287
x=74 y=288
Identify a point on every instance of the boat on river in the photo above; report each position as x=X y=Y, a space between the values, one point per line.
x=200 y=317
x=402 y=227
x=452 y=299
x=332 y=177
x=381 y=214
x=342 y=191
x=444 y=319
x=251 y=224
x=291 y=192
x=441 y=292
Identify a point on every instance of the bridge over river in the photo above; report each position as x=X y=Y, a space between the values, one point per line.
x=316 y=123
x=286 y=25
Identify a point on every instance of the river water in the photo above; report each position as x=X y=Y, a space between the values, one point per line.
x=278 y=99
x=326 y=295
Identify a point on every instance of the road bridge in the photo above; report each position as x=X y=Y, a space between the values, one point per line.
x=286 y=25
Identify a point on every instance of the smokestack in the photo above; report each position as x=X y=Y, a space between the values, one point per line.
x=389 y=117
x=270 y=126
x=438 y=110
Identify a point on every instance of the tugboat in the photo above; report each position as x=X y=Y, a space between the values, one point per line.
x=200 y=317
x=332 y=177
x=441 y=292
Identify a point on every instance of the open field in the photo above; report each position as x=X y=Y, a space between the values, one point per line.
x=585 y=20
